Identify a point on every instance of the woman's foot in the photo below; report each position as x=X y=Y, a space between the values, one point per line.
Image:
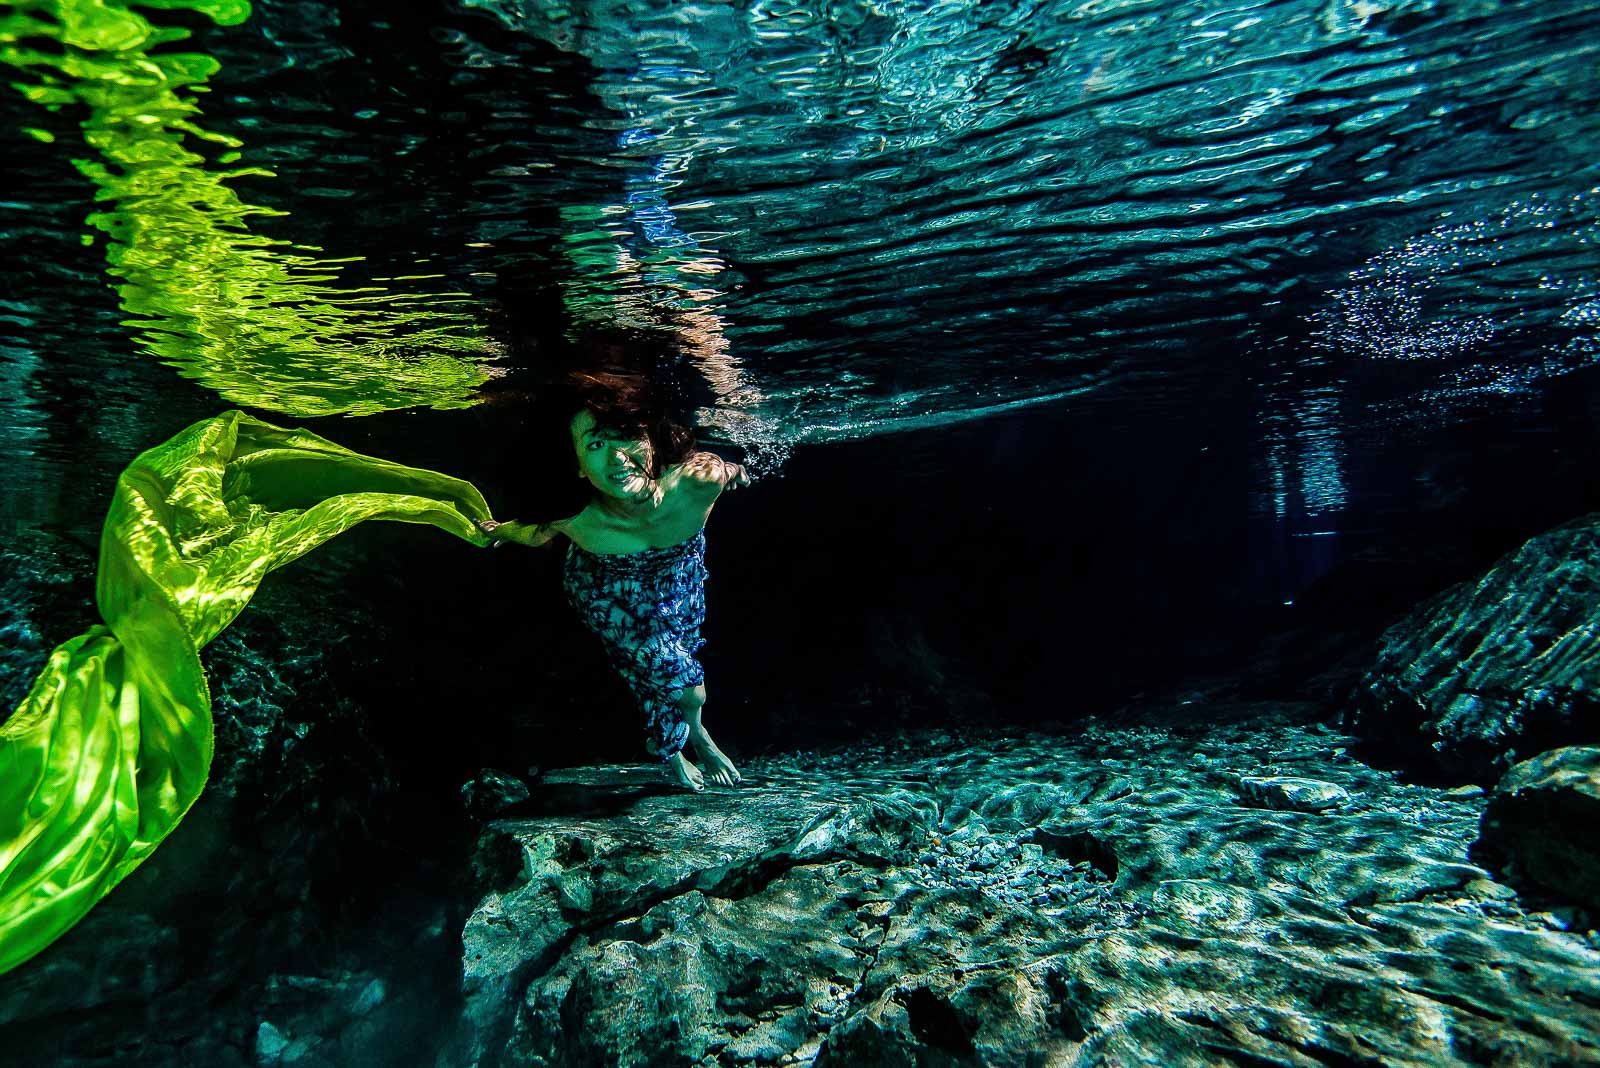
x=684 y=773
x=718 y=766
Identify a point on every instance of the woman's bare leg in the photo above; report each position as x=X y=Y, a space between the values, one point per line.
x=718 y=766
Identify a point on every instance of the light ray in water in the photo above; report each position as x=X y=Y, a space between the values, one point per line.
x=233 y=309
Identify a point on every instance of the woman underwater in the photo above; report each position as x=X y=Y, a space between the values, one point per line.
x=635 y=570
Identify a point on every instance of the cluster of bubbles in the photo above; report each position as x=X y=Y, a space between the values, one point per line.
x=765 y=443
x=1462 y=291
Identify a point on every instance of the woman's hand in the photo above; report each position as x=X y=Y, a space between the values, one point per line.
x=712 y=473
x=489 y=526
x=532 y=535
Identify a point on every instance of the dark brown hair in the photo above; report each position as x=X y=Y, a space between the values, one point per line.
x=633 y=381
x=630 y=404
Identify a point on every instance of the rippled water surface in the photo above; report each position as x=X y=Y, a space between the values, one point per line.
x=869 y=216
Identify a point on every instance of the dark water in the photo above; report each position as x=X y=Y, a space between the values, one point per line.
x=1279 y=316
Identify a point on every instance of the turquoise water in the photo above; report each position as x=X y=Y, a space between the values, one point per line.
x=878 y=216
x=1103 y=349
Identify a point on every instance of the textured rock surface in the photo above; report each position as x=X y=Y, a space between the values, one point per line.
x=1498 y=669
x=1290 y=792
x=1543 y=824
x=1103 y=897
x=44 y=600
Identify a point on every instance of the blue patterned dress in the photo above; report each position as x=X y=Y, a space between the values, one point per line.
x=647 y=608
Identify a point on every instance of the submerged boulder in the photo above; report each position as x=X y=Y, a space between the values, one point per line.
x=491 y=792
x=1292 y=792
x=1543 y=824
x=1496 y=669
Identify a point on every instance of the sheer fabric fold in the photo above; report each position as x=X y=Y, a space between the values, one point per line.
x=113 y=743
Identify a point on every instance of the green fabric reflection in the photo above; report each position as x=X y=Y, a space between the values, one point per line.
x=237 y=311
x=112 y=745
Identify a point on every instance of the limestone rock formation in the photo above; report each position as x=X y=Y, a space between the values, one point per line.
x=1492 y=671
x=1292 y=792
x=1098 y=897
x=1543 y=824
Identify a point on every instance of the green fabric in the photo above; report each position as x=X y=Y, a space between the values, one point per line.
x=112 y=745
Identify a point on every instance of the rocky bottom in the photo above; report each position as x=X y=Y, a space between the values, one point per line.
x=1232 y=888
x=1209 y=885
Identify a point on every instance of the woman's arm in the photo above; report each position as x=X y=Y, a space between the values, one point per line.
x=532 y=535
x=710 y=472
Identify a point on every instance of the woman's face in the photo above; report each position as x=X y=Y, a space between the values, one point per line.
x=615 y=463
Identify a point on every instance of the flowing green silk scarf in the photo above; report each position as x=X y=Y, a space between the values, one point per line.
x=112 y=745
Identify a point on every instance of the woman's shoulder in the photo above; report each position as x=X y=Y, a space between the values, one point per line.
x=585 y=529
x=579 y=521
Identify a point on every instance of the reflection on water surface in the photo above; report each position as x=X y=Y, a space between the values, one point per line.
x=867 y=216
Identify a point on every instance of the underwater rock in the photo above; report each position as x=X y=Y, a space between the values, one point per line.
x=45 y=598
x=624 y=841
x=1288 y=792
x=270 y=1043
x=1087 y=898
x=490 y=792
x=1543 y=823
x=1491 y=669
